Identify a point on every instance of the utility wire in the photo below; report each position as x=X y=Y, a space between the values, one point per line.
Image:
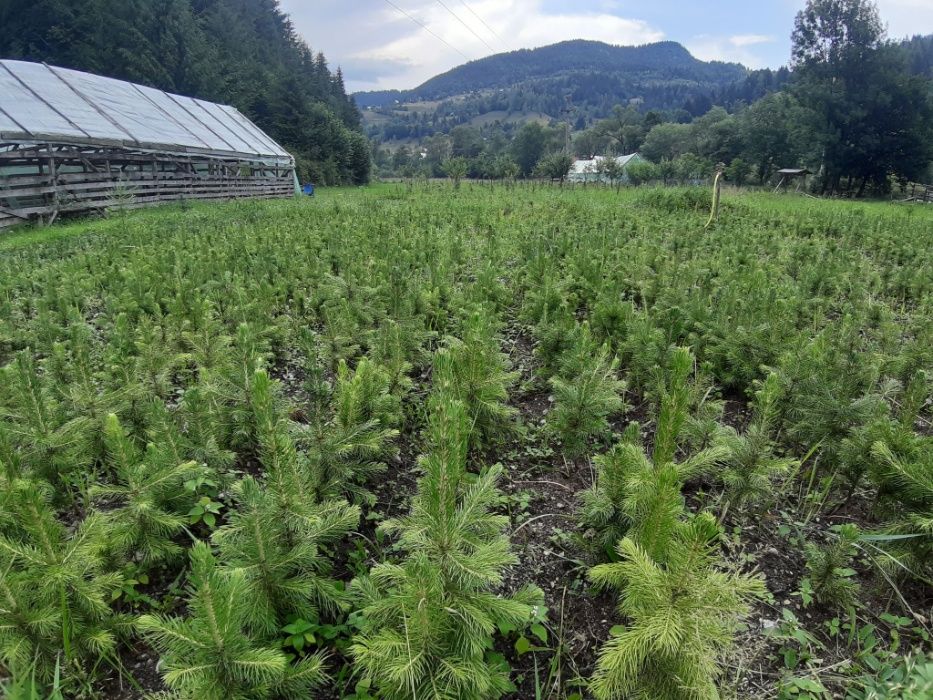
x=468 y=27
x=425 y=28
x=483 y=22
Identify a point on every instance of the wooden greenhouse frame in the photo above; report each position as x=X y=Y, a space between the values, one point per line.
x=96 y=143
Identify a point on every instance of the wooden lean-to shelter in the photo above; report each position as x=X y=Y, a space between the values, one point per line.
x=789 y=174
x=74 y=142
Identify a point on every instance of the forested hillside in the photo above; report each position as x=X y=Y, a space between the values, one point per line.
x=587 y=78
x=666 y=61
x=240 y=52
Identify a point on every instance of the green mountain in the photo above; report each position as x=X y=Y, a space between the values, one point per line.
x=581 y=80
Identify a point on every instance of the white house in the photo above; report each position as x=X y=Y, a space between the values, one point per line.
x=589 y=170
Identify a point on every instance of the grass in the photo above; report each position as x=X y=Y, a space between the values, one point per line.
x=163 y=316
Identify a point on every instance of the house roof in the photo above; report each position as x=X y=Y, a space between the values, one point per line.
x=45 y=103
x=589 y=165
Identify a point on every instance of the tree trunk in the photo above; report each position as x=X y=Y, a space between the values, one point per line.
x=861 y=187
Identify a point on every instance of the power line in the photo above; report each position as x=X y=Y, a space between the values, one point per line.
x=425 y=28
x=483 y=22
x=468 y=27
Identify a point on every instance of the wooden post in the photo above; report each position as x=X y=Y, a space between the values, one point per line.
x=53 y=180
x=717 y=191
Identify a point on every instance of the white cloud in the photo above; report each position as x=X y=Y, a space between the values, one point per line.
x=384 y=34
x=736 y=48
x=740 y=40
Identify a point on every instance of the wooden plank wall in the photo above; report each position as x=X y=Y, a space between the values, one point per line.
x=44 y=181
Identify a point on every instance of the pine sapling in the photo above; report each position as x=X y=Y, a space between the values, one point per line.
x=293 y=478
x=54 y=587
x=475 y=372
x=38 y=424
x=349 y=449
x=829 y=567
x=146 y=496
x=205 y=429
x=233 y=389
x=749 y=471
x=285 y=570
x=585 y=397
x=209 y=653
x=429 y=620
x=681 y=617
x=641 y=494
x=906 y=484
x=602 y=509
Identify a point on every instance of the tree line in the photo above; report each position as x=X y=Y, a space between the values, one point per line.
x=240 y=52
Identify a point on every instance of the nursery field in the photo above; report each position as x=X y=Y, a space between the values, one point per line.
x=411 y=442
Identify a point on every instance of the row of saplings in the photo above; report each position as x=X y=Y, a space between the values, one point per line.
x=426 y=619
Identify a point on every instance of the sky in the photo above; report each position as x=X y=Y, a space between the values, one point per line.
x=378 y=47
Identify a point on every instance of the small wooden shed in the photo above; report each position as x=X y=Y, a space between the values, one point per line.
x=73 y=141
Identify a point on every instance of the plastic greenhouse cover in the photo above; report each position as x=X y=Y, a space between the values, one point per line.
x=21 y=105
x=251 y=128
x=6 y=123
x=55 y=94
x=225 y=132
x=225 y=115
x=199 y=133
x=62 y=104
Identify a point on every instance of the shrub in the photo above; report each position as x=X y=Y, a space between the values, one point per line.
x=911 y=678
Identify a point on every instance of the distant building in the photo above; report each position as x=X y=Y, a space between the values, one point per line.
x=592 y=170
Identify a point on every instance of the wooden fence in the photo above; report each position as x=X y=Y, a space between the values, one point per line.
x=43 y=181
x=919 y=193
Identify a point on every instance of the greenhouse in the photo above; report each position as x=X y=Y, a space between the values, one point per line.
x=76 y=142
